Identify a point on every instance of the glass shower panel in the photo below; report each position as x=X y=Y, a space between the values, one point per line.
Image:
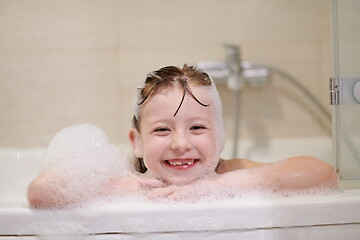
x=346 y=99
x=345 y=88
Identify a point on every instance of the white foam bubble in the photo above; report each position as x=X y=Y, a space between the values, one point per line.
x=82 y=147
x=83 y=159
x=59 y=224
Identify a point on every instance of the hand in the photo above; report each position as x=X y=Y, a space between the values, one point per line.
x=134 y=183
x=192 y=192
x=217 y=187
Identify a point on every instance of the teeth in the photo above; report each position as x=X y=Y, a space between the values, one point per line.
x=181 y=163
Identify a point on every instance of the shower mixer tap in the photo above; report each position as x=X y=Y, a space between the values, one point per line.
x=235 y=79
x=236 y=74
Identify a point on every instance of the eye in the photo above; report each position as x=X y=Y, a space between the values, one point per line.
x=198 y=129
x=162 y=131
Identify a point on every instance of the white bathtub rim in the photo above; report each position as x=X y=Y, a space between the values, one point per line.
x=222 y=215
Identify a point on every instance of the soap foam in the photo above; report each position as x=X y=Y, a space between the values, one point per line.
x=82 y=157
x=61 y=224
x=84 y=147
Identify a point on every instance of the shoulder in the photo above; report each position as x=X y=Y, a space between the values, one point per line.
x=236 y=164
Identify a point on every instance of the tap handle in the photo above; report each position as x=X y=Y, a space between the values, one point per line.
x=233 y=59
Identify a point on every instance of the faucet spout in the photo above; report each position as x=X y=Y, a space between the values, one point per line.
x=235 y=80
x=233 y=59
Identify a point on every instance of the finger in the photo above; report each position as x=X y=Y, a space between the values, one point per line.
x=162 y=192
x=152 y=183
x=184 y=194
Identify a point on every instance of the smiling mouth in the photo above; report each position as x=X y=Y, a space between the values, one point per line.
x=181 y=163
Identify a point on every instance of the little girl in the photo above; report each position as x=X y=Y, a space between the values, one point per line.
x=177 y=136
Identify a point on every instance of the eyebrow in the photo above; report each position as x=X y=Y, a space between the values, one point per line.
x=194 y=120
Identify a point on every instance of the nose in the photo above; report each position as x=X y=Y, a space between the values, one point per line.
x=181 y=142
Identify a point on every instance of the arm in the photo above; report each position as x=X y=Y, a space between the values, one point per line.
x=236 y=164
x=49 y=190
x=239 y=174
x=293 y=173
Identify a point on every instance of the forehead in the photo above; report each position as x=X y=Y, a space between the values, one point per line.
x=167 y=100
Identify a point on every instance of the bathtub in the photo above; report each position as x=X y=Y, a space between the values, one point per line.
x=334 y=216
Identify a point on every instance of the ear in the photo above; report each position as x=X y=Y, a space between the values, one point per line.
x=135 y=139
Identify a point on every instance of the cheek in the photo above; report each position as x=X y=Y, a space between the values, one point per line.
x=153 y=149
x=207 y=144
x=153 y=144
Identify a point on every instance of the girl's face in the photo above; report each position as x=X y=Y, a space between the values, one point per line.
x=177 y=149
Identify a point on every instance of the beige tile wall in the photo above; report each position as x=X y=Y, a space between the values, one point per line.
x=73 y=61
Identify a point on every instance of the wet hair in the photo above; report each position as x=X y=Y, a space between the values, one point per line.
x=163 y=78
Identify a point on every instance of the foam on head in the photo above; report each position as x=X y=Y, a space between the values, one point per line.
x=216 y=106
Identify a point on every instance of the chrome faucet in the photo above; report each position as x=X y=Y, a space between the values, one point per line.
x=234 y=72
x=235 y=79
